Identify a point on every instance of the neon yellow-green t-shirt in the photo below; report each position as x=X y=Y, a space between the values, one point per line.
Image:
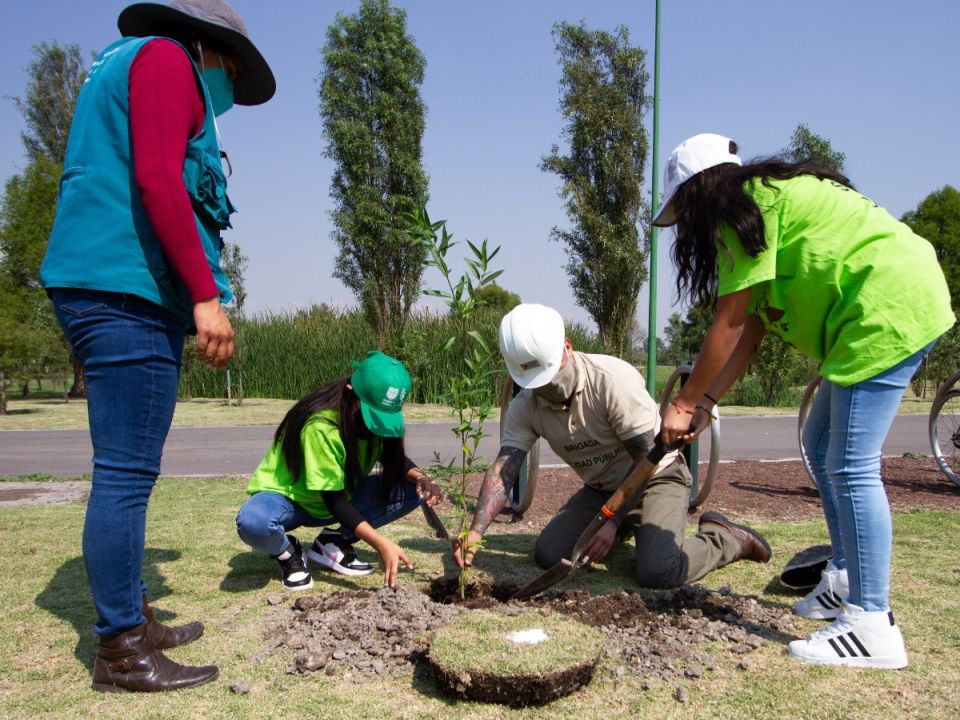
x=324 y=462
x=858 y=290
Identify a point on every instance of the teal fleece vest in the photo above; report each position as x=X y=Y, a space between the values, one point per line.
x=102 y=238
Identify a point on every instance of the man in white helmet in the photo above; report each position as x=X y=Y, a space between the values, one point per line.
x=595 y=413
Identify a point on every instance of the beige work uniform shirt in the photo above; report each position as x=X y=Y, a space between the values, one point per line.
x=610 y=405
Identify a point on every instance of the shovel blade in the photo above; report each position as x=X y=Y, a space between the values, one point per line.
x=546 y=580
x=435 y=523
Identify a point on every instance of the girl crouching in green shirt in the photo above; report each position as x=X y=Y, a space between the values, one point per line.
x=792 y=248
x=318 y=473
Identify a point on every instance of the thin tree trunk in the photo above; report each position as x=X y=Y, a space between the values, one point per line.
x=3 y=393
x=79 y=389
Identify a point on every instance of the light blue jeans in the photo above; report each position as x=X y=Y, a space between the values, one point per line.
x=843 y=437
x=265 y=519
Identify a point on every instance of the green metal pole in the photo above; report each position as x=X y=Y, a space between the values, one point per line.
x=654 y=206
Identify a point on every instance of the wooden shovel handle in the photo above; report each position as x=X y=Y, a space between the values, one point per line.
x=628 y=494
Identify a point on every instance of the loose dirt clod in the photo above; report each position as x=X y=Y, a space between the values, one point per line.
x=369 y=632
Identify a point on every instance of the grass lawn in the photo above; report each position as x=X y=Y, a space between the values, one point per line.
x=198 y=568
x=53 y=414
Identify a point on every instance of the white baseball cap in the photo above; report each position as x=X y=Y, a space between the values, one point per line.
x=689 y=158
x=531 y=342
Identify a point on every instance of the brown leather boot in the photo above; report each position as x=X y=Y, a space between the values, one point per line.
x=129 y=661
x=165 y=637
x=753 y=546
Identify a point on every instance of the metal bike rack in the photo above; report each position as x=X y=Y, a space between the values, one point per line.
x=805 y=404
x=523 y=491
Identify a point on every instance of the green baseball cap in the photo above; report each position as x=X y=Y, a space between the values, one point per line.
x=382 y=383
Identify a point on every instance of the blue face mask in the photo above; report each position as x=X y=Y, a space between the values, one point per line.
x=220 y=87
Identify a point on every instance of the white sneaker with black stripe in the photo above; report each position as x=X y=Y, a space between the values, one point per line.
x=825 y=601
x=856 y=638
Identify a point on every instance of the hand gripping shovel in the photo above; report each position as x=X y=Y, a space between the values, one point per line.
x=626 y=496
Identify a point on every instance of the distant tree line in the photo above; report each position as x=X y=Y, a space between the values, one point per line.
x=373 y=119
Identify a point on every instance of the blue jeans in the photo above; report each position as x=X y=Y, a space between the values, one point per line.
x=265 y=519
x=843 y=437
x=131 y=351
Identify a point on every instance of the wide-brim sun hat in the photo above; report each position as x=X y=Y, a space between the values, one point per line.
x=254 y=85
x=532 y=339
x=690 y=157
x=383 y=384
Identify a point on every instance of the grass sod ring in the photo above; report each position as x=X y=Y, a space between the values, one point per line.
x=526 y=659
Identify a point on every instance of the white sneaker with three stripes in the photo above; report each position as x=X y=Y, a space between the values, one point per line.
x=856 y=638
x=825 y=601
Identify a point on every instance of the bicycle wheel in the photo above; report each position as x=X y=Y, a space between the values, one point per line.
x=945 y=433
x=805 y=404
x=523 y=490
x=701 y=490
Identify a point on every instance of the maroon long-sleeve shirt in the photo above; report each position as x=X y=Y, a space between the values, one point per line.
x=166 y=110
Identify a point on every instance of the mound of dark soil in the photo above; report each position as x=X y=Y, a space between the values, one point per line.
x=663 y=636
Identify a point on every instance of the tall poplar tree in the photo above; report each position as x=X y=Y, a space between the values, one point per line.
x=57 y=73
x=601 y=172
x=373 y=118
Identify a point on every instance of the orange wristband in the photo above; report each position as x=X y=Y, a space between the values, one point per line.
x=607 y=512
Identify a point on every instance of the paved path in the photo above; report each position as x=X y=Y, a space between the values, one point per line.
x=238 y=450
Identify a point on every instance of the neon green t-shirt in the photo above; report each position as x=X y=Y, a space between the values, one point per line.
x=858 y=290
x=324 y=460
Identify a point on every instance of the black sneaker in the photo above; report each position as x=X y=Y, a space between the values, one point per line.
x=293 y=570
x=332 y=552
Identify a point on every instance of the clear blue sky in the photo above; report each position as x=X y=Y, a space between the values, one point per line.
x=878 y=78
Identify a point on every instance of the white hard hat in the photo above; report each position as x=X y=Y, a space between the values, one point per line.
x=531 y=341
x=690 y=157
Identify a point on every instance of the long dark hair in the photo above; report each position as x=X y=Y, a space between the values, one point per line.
x=337 y=395
x=716 y=196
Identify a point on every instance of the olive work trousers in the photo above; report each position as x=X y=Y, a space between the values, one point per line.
x=665 y=556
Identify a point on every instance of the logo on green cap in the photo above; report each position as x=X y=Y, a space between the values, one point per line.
x=382 y=383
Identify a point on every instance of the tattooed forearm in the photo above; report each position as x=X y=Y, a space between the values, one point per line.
x=639 y=446
x=497 y=484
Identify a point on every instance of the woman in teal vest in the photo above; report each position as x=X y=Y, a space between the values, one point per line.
x=792 y=248
x=132 y=266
